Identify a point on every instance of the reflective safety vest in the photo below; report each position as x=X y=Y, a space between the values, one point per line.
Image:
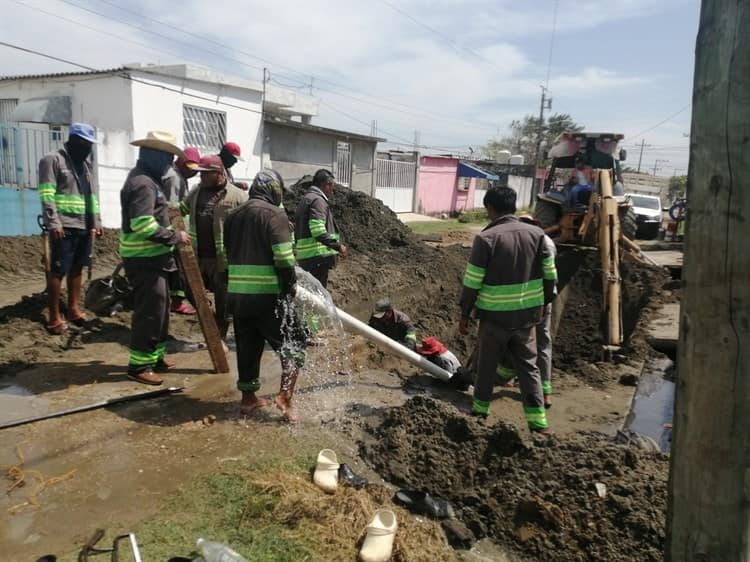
x=61 y=193
x=315 y=228
x=146 y=231
x=258 y=248
x=505 y=276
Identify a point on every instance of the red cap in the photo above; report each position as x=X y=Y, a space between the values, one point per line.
x=234 y=149
x=192 y=154
x=431 y=346
x=211 y=163
x=192 y=158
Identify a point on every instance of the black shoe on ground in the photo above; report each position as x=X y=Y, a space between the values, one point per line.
x=347 y=475
x=424 y=504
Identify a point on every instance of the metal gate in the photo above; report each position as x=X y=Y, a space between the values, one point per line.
x=344 y=163
x=21 y=148
x=395 y=182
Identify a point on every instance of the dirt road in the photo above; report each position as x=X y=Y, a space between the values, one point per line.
x=128 y=458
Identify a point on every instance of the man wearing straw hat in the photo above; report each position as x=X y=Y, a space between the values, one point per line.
x=146 y=244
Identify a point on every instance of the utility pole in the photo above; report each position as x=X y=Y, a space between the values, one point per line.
x=312 y=80
x=374 y=128
x=657 y=162
x=266 y=76
x=546 y=103
x=640 y=158
x=416 y=141
x=709 y=491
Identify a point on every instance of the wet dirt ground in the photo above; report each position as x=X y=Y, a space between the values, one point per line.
x=127 y=458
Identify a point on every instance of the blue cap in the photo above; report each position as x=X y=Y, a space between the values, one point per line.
x=83 y=130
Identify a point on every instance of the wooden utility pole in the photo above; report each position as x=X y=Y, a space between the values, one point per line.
x=709 y=488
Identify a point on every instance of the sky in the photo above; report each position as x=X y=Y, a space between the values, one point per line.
x=455 y=71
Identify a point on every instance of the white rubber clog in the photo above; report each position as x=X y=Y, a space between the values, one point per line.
x=326 y=475
x=381 y=532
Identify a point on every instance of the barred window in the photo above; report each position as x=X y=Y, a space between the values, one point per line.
x=204 y=129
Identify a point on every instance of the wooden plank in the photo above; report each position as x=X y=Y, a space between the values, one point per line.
x=708 y=508
x=663 y=330
x=189 y=266
x=666 y=258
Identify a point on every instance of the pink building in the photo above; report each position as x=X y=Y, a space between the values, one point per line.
x=448 y=185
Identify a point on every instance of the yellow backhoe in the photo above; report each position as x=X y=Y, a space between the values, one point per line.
x=582 y=203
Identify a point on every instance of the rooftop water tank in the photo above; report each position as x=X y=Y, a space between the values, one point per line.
x=516 y=160
x=503 y=156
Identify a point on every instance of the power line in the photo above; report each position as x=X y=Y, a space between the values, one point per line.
x=389 y=134
x=552 y=42
x=271 y=63
x=124 y=75
x=660 y=123
x=334 y=92
x=99 y=31
x=454 y=45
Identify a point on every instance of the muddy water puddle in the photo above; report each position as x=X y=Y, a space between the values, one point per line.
x=17 y=402
x=653 y=404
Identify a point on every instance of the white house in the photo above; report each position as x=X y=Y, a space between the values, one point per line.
x=201 y=107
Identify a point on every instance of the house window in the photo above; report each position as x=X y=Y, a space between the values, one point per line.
x=344 y=163
x=204 y=129
x=56 y=133
x=463 y=184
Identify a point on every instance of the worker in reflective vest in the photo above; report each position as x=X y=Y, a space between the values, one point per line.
x=318 y=240
x=262 y=284
x=509 y=278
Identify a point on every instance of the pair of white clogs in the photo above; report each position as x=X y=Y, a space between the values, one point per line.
x=380 y=532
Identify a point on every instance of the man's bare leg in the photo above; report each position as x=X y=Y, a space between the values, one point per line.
x=75 y=280
x=284 y=399
x=251 y=402
x=54 y=288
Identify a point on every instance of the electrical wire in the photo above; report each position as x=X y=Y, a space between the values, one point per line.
x=124 y=75
x=660 y=123
x=552 y=43
x=232 y=48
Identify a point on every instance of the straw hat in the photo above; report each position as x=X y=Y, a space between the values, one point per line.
x=160 y=140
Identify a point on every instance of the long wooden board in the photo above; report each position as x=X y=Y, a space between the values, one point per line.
x=189 y=265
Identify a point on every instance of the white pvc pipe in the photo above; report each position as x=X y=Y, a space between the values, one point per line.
x=358 y=327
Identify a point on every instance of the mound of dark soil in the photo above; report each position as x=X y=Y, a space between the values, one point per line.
x=367 y=226
x=537 y=498
x=24 y=254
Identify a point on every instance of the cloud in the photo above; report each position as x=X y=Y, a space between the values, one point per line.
x=457 y=84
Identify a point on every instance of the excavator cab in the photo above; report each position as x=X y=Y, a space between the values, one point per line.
x=577 y=160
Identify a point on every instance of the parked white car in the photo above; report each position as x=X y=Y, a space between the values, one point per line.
x=648 y=214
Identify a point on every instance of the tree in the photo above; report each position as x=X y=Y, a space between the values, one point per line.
x=522 y=137
x=677 y=186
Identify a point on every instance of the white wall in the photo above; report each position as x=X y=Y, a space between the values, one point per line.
x=159 y=109
x=523 y=186
x=123 y=110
